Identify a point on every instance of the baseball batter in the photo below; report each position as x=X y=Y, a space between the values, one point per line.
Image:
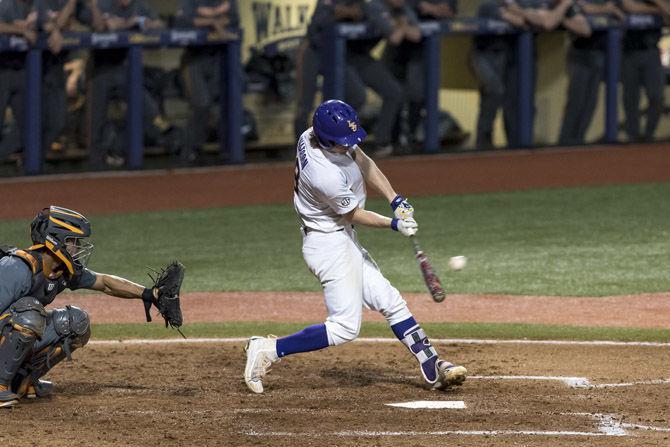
x=329 y=197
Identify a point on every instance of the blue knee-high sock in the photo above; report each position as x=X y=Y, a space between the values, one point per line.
x=311 y=338
x=411 y=335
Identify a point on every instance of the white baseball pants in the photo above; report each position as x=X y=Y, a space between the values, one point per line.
x=350 y=279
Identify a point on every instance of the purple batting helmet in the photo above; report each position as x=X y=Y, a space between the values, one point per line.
x=336 y=123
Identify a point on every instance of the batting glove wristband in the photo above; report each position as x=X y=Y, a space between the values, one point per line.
x=402 y=209
x=406 y=227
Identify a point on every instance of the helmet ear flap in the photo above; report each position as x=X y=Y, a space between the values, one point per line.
x=38 y=227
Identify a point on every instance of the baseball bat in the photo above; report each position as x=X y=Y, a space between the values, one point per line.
x=429 y=276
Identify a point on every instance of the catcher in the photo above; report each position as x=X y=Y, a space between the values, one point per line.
x=32 y=339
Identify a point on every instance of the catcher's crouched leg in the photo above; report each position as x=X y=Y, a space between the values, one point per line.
x=66 y=330
x=20 y=328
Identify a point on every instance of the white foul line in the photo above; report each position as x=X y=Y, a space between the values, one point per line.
x=431 y=404
x=607 y=426
x=456 y=341
x=573 y=382
x=644 y=427
x=620 y=385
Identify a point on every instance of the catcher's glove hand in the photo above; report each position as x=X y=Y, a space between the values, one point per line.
x=167 y=284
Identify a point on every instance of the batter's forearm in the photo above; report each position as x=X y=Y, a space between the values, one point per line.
x=117 y=286
x=374 y=176
x=360 y=216
x=380 y=183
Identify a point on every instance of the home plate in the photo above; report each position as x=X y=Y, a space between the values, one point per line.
x=452 y=404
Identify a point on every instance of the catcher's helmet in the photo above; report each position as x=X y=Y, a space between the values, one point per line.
x=63 y=232
x=336 y=123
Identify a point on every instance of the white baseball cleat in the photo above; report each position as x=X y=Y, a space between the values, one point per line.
x=448 y=375
x=261 y=354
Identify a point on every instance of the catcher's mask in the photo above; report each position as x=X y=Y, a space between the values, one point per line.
x=64 y=233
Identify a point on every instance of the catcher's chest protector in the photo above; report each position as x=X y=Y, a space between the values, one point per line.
x=42 y=288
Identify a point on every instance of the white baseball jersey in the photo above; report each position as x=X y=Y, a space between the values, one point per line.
x=327 y=186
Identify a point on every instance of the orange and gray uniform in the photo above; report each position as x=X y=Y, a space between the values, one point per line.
x=13 y=73
x=109 y=79
x=34 y=340
x=201 y=72
x=362 y=69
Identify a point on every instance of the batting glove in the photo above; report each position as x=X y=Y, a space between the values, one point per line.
x=406 y=227
x=402 y=208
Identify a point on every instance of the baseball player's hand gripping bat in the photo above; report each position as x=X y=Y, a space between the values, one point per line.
x=432 y=281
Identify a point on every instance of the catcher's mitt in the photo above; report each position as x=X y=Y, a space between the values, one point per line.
x=167 y=283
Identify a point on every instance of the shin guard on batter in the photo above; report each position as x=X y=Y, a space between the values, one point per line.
x=412 y=336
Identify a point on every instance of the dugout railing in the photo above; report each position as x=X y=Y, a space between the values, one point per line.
x=231 y=142
x=333 y=85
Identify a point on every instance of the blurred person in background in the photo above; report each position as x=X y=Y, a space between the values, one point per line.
x=17 y=18
x=362 y=68
x=308 y=57
x=406 y=62
x=641 y=68
x=109 y=76
x=586 y=59
x=403 y=57
x=491 y=58
x=54 y=17
x=540 y=16
x=201 y=70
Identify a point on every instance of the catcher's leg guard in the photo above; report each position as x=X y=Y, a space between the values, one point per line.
x=67 y=330
x=19 y=329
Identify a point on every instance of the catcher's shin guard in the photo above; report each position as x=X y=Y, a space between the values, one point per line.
x=16 y=346
x=20 y=328
x=67 y=330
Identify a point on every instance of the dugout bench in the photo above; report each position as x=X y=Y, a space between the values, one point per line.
x=231 y=142
x=333 y=85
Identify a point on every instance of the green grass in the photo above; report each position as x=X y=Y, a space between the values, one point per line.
x=435 y=330
x=578 y=241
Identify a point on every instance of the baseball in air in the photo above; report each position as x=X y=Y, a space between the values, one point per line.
x=457 y=263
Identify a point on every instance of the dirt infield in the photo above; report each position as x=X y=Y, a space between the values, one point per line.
x=193 y=394
x=185 y=395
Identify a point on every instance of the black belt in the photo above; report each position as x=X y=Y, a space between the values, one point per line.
x=309 y=230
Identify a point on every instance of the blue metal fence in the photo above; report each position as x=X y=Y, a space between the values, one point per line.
x=231 y=143
x=434 y=31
